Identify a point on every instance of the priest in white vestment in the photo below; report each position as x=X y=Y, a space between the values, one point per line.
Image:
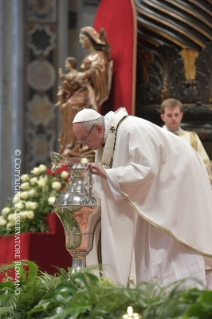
x=156 y=203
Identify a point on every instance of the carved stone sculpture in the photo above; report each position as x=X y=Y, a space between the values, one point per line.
x=88 y=88
x=173 y=57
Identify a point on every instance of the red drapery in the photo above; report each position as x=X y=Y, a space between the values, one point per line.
x=118 y=18
x=45 y=249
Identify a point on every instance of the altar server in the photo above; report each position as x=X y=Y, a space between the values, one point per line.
x=171 y=115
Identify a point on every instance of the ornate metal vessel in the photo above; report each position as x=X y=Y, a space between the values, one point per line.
x=78 y=209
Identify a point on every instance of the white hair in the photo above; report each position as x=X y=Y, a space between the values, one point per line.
x=88 y=124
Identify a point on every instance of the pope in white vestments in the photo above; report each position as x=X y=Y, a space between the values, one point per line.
x=156 y=203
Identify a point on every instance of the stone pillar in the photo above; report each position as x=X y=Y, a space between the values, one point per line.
x=11 y=93
x=63 y=46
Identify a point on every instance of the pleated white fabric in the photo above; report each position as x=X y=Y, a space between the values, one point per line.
x=156 y=207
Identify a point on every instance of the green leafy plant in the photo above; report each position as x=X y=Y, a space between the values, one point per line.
x=34 y=200
x=83 y=295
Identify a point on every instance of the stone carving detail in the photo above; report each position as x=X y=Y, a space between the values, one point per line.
x=164 y=74
x=41 y=110
x=41 y=143
x=204 y=74
x=174 y=58
x=41 y=75
x=41 y=40
x=158 y=74
x=41 y=10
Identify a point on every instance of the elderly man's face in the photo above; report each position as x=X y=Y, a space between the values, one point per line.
x=93 y=137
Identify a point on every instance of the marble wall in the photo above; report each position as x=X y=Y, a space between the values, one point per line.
x=35 y=38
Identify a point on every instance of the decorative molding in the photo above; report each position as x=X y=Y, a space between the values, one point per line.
x=171 y=22
x=41 y=110
x=40 y=144
x=41 y=75
x=41 y=40
x=204 y=131
x=166 y=73
x=41 y=10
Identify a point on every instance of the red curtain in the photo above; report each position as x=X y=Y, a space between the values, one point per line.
x=118 y=18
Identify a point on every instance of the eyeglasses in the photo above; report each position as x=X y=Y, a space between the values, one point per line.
x=83 y=140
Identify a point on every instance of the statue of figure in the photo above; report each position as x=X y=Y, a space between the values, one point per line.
x=68 y=87
x=88 y=88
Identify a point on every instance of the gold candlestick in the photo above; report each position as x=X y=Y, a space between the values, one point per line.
x=131 y=315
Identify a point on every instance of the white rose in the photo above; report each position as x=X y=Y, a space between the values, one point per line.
x=32 y=192
x=18 y=194
x=23 y=215
x=11 y=217
x=56 y=185
x=30 y=214
x=10 y=224
x=33 y=180
x=25 y=186
x=24 y=177
x=84 y=160
x=42 y=182
x=34 y=205
x=2 y=222
x=16 y=199
x=42 y=168
x=31 y=205
x=51 y=200
x=36 y=171
x=24 y=195
x=5 y=211
x=19 y=205
x=64 y=174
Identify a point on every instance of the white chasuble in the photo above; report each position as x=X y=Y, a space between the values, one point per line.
x=156 y=207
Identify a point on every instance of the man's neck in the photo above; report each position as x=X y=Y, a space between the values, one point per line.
x=175 y=132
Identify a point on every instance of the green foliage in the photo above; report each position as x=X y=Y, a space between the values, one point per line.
x=202 y=308
x=83 y=295
x=30 y=205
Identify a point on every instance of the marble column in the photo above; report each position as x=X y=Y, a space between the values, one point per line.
x=11 y=93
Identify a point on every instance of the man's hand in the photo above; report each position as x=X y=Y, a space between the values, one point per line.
x=97 y=170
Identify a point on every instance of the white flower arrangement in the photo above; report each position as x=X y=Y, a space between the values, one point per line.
x=64 y=174
x=25 y=186
x=51 y=200
x=5 y=211
x=36 y=198
x=56 y=185
x=33 y=180
x=24 y=177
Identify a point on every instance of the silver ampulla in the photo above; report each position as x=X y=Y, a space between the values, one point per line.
x=79 y=211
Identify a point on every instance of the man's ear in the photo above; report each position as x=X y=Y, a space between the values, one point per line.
x=181 y=115
x=162 y=117
x=99 y=128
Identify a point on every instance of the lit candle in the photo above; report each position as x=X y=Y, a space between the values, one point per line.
x=131 y=315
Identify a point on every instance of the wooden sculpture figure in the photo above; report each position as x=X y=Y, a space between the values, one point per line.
x=68 y=87
x=88 y=88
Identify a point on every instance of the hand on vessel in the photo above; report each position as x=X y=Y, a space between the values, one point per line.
x=97 y=170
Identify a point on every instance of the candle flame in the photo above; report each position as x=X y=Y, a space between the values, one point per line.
x=129 y=311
